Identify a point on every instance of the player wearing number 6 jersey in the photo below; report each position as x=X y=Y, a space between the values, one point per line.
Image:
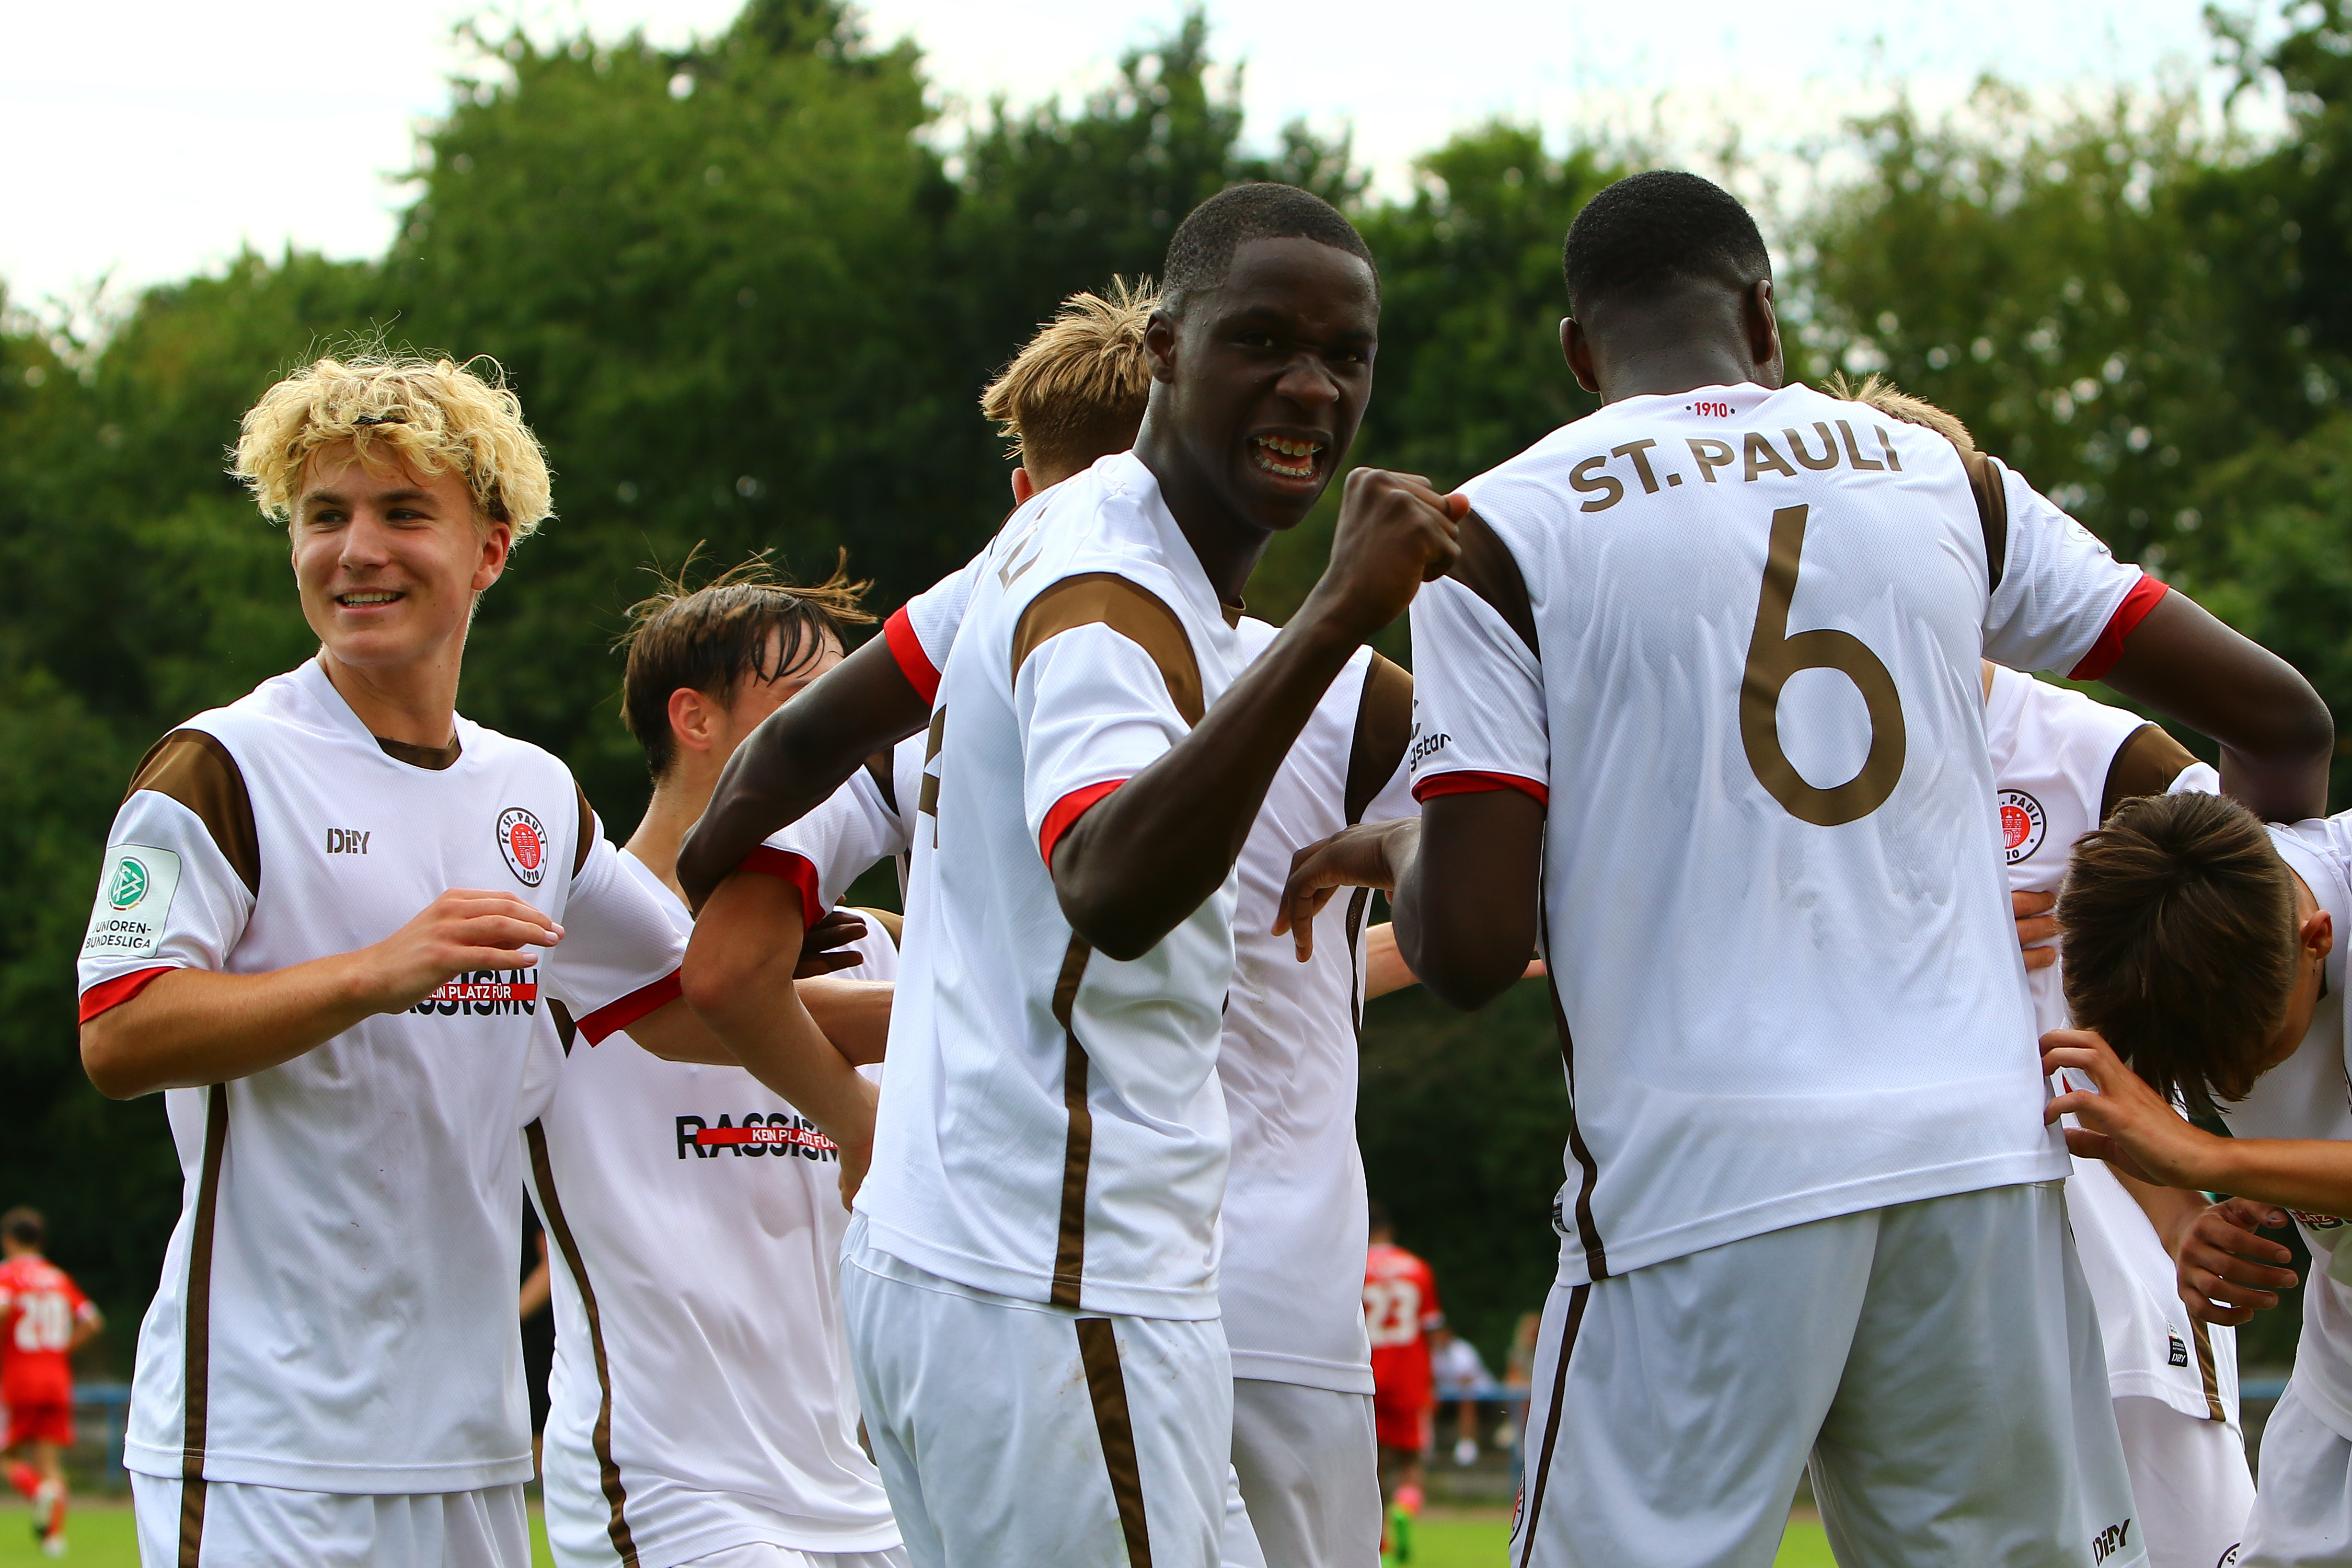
x=1702 y=700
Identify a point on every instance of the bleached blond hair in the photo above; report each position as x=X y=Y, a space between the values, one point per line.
x=1877 y=392
x=1076 y=391
x=435 y=414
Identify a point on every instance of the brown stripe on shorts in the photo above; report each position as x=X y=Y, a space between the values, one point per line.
x=2205 y=1371
x=600 y=1437
x=1134 y=612
x=1077 y=1151
x=1576 y=1302
x=1107 y=1387
x=196 y=1329
x=1596 y=1255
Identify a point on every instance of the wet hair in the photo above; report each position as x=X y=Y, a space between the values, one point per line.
x=1657 y=229
x=25 y=1227
x=2178 y=936
x=713 y=638
x=1877 y=392
x=1201 y=251
x=1076 y=391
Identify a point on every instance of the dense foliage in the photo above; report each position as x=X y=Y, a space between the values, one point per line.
x=749 y=291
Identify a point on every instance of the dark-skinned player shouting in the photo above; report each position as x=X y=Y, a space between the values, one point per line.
x=1030 y=1281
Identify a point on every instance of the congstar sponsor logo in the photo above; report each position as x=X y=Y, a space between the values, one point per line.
x=484 y=993
x=759 y=1134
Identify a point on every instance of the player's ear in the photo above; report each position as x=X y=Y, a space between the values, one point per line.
x=497 y=542
x=1159 y=344
x=1577 y=348
x=1023 y=486
x=691 y=715
x=1763 y=330
x=2318 y=933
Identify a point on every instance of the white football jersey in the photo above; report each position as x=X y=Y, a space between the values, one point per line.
x=868 y=819
x=2309 y=1095
x=337 y=1307
x=700 y=1398
x=1051 y=1128
x=1291 y=1285
x=2056 y=756
x=1788 y=980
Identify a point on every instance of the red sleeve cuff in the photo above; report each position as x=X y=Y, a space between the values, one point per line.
x=1479 y=784
x=114 y=993
x=1065 y=813
x=794 y=868
x=614 y=1016
x=908 y=650
x=2129 y=613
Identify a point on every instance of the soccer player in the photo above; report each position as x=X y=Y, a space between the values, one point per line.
x=1702 y=699
x=329 y=916
x=1031 y=1274
x=700 y=1407
x=1289 y=1278
x=1401 y=1311
x=44 y=1318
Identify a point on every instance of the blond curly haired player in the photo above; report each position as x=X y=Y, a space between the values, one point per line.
x=333 y=921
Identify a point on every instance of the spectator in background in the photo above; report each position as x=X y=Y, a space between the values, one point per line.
x=1400 y=1311
x=1459 y=1374
x=44 y=1318
x=1519 y=1372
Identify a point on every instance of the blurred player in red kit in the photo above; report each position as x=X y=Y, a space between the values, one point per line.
x=1399 y=1308
x=43 y=1318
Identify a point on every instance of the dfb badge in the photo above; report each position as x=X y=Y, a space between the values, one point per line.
x=522 y=840
x=2022 y=825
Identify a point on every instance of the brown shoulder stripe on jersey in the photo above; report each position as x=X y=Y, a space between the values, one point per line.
x=196 y=1332
x=1993 y=513
x=1135 y=613
x=1596 y=1255
x=195 y=769
x=1488 y=569
x=1078 y=1151
x=587 y=840
x=1383 y=730
x=2206 y=1374
x=2146 y=764
x=1106 y=1388
x=431 y=759
x=1576 y=1301
x=565 y=1029
x=881 y=769
x=893 y=924
x=600 y=1436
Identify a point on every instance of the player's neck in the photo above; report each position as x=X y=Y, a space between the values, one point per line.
x=414 y=703
x=1669 y=369
x=678 y=801
x=1226 y=544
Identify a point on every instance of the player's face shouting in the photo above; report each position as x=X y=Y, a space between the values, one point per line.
x=1270 y=374
x=389 y=560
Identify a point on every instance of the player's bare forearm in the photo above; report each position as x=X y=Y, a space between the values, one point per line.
x=2275 y=733
x=1385 y=969
x=800 y=754
x=739 y=978
x=1466 y=900
x=2312 y=1174
x=191 y=1027
x=2171 y=1210
x=676 y=1033
x=854 y=1014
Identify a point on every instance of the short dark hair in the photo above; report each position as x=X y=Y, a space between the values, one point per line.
x=710 y=639
x=2178 y=933
x=24 y=1225
x=1658 y=228
x=1201 y=251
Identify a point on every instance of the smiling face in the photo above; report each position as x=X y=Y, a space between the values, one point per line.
x=389 y=561
x=1264 y=378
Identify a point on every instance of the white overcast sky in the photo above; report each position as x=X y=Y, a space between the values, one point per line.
x=142 y=141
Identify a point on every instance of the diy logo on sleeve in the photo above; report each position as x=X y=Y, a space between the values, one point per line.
x=522 y=840
x=134 y=898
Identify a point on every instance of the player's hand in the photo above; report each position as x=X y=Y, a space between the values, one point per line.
x=2036 y=925
x=463 y=930
x=2227 y=1273
x=1362 y=857
x=825 y=946
x=1395 y=533
x=2124 y=1122
x=855 y=1144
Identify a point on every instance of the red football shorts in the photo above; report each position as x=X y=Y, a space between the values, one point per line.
x=1401 y=1426
x=48 y=1422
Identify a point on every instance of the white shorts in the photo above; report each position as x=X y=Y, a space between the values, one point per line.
x=250 y=1526
x=1308 y=1472
x=2302 y=1510
x=1937 y=1360
x=2189 y=1477
x=766 y=1554
x=1012 y=1431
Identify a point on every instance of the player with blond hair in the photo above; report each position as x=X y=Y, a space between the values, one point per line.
x=333 y=921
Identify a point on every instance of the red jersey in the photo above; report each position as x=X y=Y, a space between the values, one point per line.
x=39 y=1305
x=1399 y=1308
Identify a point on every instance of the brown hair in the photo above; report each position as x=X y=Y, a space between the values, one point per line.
x=2179 y=937
x=25 y=1227
x=710 y=639
x=1076 y=391
x=1877 y=392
